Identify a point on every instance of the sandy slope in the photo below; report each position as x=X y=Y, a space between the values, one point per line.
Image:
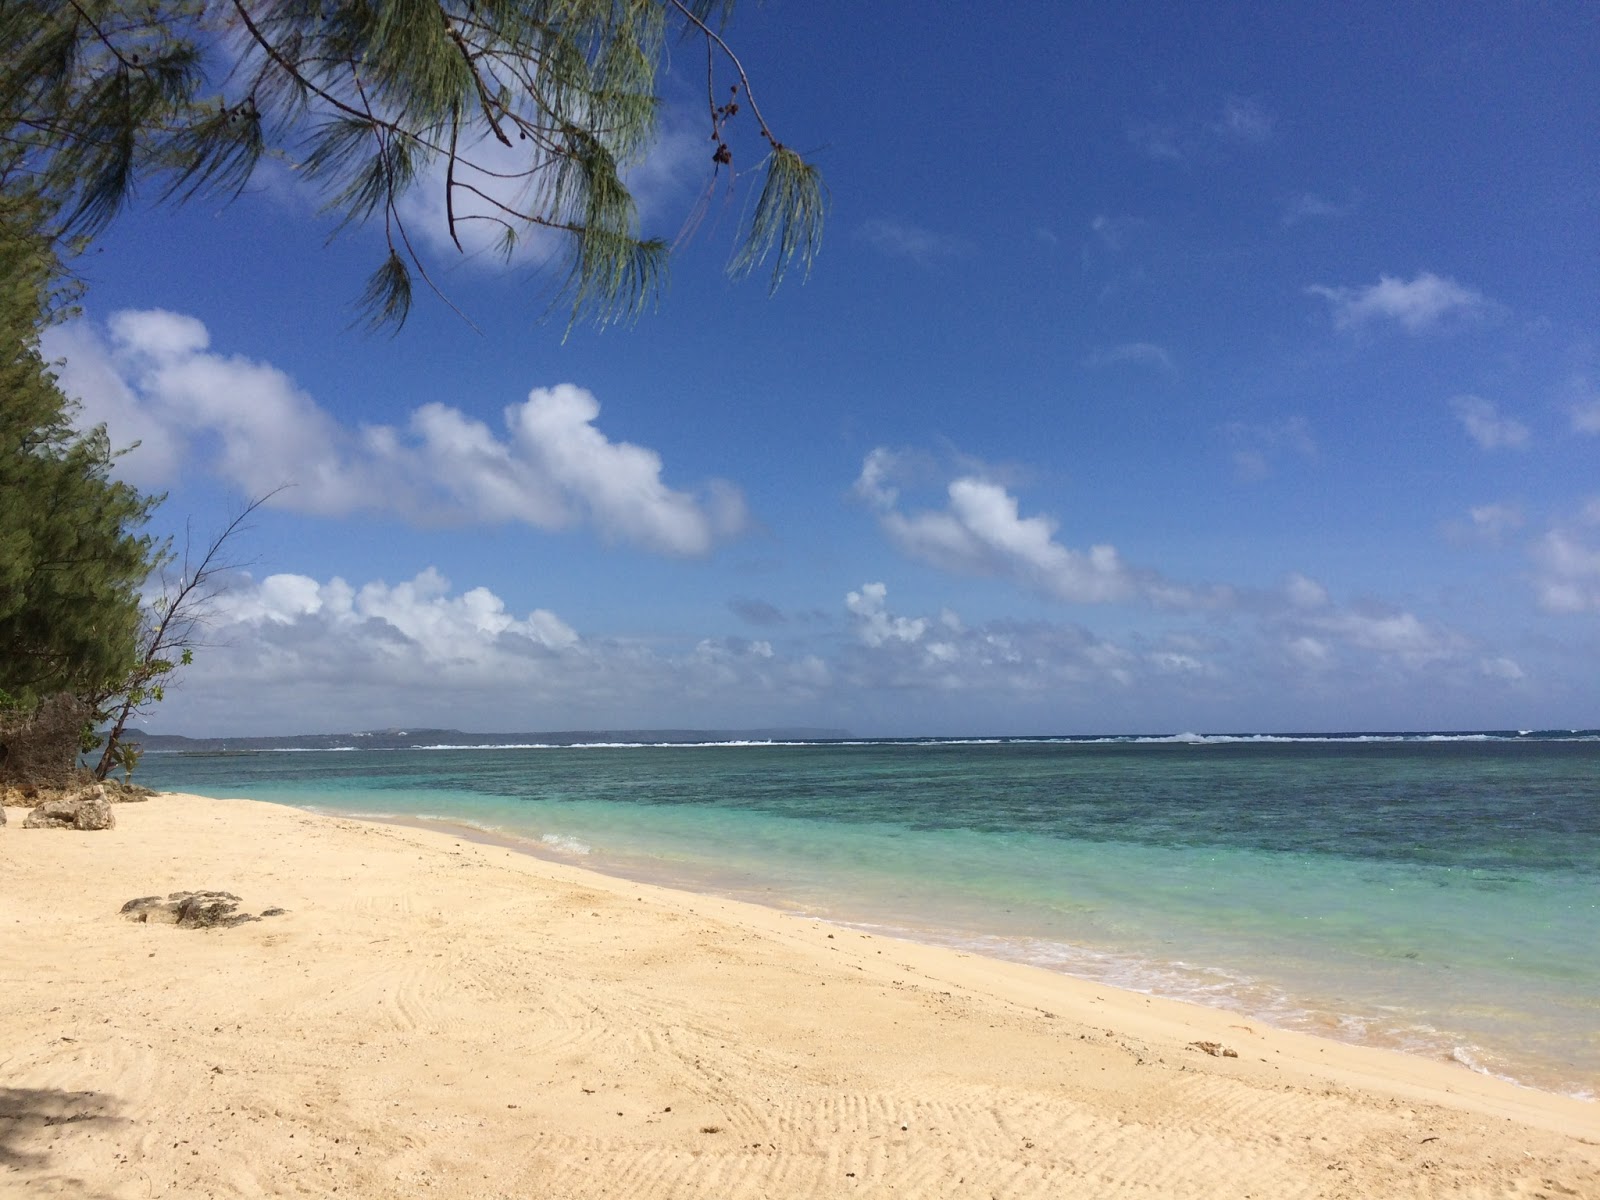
x=435 y=1017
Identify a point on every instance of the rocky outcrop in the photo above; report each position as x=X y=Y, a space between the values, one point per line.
x=120 y=791
x=87 y=809
x=192 y=910
x=20 y=797
x=39 y=746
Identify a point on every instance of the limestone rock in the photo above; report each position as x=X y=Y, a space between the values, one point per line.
x=120 y=791
x=2 y=814
x=86 y=809
x=94 y=812
x=192 y=910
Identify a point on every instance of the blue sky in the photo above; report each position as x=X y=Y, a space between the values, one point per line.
x=1190 y=368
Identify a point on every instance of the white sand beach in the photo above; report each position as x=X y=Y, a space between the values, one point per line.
x=435 y=1016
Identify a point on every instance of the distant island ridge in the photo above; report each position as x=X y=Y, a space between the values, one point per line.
x=407 y=739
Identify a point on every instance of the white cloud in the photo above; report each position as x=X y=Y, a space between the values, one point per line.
x=444 y=630
x=1402 y=634
x=1314 y=633
x=1304 y=593
x=1484 y=424
x=90 y=376
x=1568 y=578
x=1171 y=662
x=490 y=175
x=293 y=653
x=1417 y=305
x=1502 y=668
x=1307 y=652
x=981 y=532
x=1134 y=353
x=902 y=240
x=1385 y=634
x=874 y=625
x=551 y=467
x=942 y=654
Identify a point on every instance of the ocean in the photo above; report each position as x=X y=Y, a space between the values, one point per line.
x=1433 y=893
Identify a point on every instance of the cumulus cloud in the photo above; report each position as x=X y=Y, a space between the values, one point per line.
x=154 y=376
x=1484 y=424
x=444 y=630
x=294 y=653
x=1314 y=633
x=981 y=531
x=291 y=652
x=1418 y=305
x=1303 y=592
x=1402 y=635
x=874 y=624
x=940 y=653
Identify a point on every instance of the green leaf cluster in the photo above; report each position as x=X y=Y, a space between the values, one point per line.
x=72 y=558
x=372 y=98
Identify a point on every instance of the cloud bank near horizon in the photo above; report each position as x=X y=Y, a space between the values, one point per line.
x=290 y=653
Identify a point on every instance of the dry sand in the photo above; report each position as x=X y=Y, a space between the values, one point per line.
x=438 y=1017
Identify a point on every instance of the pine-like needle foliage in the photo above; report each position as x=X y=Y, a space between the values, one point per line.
x=369 y=98
x=71 y=554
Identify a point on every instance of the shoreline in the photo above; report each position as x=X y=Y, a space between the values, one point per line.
x=435 y=1013
x=1319 y=1021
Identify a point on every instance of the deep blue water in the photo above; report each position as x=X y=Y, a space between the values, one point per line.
x=1436 y=893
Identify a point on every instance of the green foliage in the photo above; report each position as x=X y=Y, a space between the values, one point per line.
x=71 y=556
x=368 y=99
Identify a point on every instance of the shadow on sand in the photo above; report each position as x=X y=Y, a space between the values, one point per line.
x=32 y=1118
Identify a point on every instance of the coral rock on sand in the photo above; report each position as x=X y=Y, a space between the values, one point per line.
x=192 y=910
x=87 y=809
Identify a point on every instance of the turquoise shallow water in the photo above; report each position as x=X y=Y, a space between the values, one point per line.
x=1436 y=895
